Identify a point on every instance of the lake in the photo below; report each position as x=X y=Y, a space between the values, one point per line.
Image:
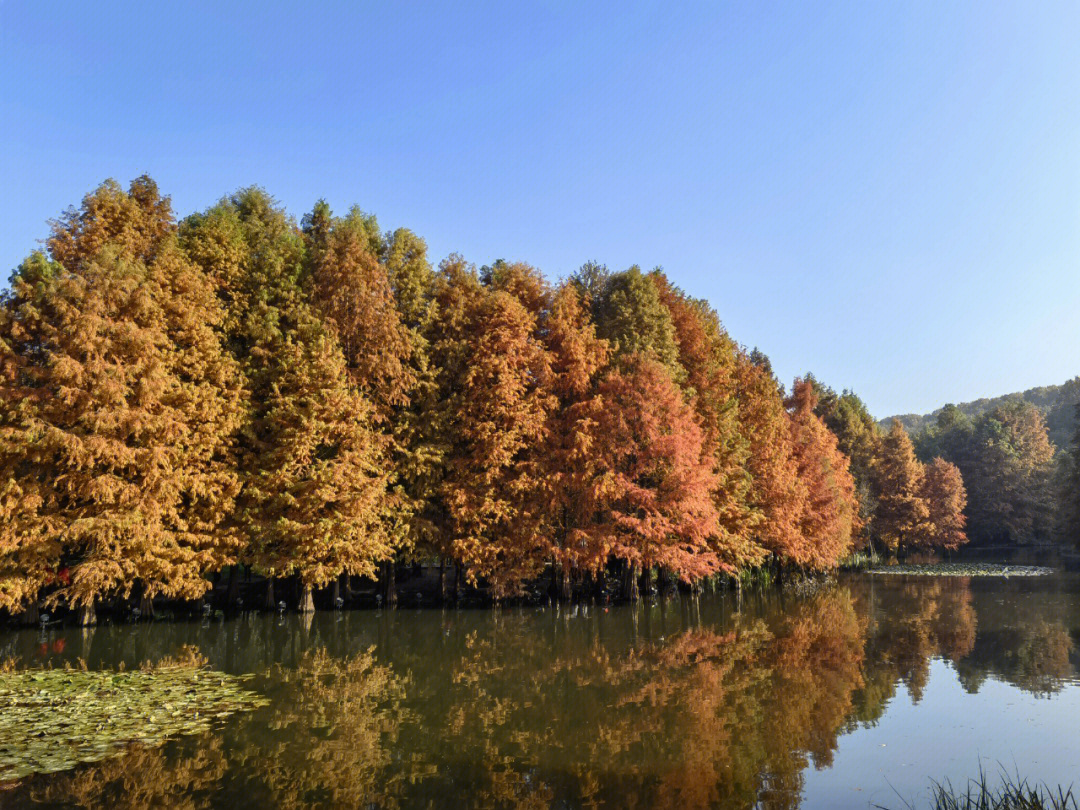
x=853 y=695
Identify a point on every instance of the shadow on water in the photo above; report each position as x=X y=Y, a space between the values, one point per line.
x=685 y=703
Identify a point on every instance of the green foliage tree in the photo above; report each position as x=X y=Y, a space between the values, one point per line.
x=632 y=318
x=1009 y=474
x=858 y=437
x=1069 y=486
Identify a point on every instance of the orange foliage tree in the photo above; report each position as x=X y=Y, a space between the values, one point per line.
x=901 y=514
x=494 y=408
x=831 y=511
x=119 y=411
x=569 y=469
x=656 y=482
x=709 y=358
x=943 y=491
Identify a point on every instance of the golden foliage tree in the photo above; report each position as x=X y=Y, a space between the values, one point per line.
x=776 y=492
x=831 y=512
x=901 y=515
x=311 y=461
x=120 y=410
x=495 y=407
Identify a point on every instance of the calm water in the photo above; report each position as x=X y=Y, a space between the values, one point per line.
x=845 y=698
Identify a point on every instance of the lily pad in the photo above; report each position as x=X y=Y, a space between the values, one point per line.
x=52 y=720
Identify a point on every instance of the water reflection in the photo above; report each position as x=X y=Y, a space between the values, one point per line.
x=687 y=703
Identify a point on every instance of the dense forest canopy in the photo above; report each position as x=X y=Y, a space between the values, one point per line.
x=1056 y=402
x=314 y=400
x=1018 y=456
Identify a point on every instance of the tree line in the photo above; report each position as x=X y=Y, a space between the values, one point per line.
x=314 y=400
x=1018 y=482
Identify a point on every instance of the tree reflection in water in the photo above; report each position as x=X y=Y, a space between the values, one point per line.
x=691 y=703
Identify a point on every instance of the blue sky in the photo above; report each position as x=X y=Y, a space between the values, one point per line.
x=885 y=194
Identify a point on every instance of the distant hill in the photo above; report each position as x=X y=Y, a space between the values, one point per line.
x=1057 y=402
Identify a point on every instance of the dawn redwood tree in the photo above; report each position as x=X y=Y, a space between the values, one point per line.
x=309 y=430
x=351 y=290
x=859 y=438
x=709 y=358
x=901 y=512
x=569 y=463
x=655 y=482
x=776 y=491
x=494 y=407
x=417 y=448
x=631 y=317
x=315 y=504
x=118 y=414
x=945 y=496
x=831 y=511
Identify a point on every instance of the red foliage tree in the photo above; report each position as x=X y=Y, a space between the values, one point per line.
x=655 y=482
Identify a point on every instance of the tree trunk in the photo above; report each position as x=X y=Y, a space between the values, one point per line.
x=86 y=615
x=271 y=603
x=232 y=592
x=389 y=583
x=335 y=590
x=146 y=605
x=632 y=574
x=457 y=582
x=649 y=587
x=307 y=599
x=442 y=579
x=30 y=614
x=567 y=593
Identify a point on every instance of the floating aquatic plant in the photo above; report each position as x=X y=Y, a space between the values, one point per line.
x=52 y=720
x=964 y=570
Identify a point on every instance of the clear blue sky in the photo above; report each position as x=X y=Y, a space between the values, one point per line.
x=886 y=194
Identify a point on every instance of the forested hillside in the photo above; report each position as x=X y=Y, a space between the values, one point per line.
x=1018 y=455
x=314 y=401
x=1056 y=402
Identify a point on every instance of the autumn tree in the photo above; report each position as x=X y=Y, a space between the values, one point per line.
x=830 y=513
x=311 y=461
x=417 y=447
x=655 y=490
x=351 y=290
x=776 y=491
x=945 y=497
x=494 y=409
x=569 y=462
x=118 y=413
x=709 y=358
x=901 y=513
